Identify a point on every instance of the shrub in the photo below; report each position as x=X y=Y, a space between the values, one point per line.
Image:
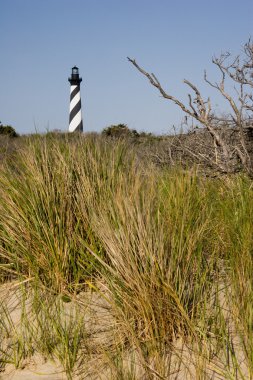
x=119 y=130
x=7 y=130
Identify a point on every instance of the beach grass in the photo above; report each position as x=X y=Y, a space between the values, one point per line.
x=123 y=269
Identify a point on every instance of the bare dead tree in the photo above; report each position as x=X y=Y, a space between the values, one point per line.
x=240 y=70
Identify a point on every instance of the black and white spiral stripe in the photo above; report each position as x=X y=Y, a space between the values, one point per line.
x=75 y=112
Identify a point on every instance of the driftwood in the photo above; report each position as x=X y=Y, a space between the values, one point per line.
x=225 y=153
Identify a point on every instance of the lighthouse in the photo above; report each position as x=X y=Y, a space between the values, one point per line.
x=75 y=112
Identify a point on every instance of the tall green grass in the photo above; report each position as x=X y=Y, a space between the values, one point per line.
x=166 y=251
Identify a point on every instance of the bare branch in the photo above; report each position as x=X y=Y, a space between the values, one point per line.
x=201 y=114
x=240 y=71
x=154 y=81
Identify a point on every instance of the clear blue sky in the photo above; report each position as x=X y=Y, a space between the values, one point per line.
x=41 y=40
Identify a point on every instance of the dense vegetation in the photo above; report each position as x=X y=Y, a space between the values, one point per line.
x=121 y=268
